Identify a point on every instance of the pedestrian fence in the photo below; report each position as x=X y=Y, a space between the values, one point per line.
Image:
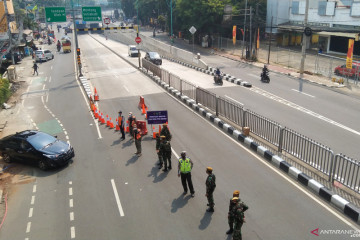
x=346 y=171
x=318 y=156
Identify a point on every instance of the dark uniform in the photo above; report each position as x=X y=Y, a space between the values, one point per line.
x=121 y=123
x=210 y=187
x=166 y=132
x=236 y=193
x=165 y=149
x=158 y=140
x=137 y=137
x=239 y=217
x=130 y=119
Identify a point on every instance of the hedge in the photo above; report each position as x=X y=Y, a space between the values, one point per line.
x=4 y=90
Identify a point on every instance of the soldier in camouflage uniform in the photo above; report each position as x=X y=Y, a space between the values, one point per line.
x=165 y=149
x=166 y=132
x=210 y=187
x=158 y=140
x=239 y=217
x=236 y=193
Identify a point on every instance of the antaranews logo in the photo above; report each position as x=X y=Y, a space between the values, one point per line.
x=352 y=233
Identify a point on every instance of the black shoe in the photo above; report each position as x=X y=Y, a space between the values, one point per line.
x=184 y=193
x=165 y=170
x=160 y=167
x=193 y=195
x=158 y=163
x=210 y=209
x=207 y=205
x=230 y=231
x=169 y=167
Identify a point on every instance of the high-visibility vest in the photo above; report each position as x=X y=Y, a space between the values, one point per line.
x=120 y=120
x=185 y=165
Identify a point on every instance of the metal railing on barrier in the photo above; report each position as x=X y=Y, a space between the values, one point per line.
x=165 y=76
x=151 y=67
x=347 y=171
x=263 y=127
x=230 y=110
x=188 y=89
x=307 y=150
x=175 y=82
x=206 y=98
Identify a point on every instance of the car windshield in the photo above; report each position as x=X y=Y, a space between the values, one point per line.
x=41 y=140
x=154 y=55
x=38 y=52
x=133 y=49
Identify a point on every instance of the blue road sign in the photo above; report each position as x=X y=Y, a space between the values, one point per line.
x=157 y=117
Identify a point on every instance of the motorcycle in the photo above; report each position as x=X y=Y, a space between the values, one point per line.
x=58 y=48
x=264 y=77
x=218 y=79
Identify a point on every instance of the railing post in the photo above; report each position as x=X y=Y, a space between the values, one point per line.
x=244 y=119
x=196 y=95
x=181 y=81
x=217 y=106
x=332 y=167
x=281 y=137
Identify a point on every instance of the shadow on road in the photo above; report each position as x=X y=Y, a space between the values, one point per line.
x=179 y=202
x=132 y=160
x=205 y=221
x=155 y=173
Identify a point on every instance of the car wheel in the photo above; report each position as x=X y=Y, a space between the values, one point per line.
x=52 y=57
x=6 y=158
x=42 y=165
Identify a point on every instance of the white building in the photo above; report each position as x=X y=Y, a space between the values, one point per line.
x=332 y=23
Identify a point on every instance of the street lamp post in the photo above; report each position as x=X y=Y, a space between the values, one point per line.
x=75 y=32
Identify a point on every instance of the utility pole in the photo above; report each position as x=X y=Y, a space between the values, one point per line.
x=9 y=32
x=270 y=40
x=242 y=52
x=75 y=32
x=303 y=49
x=250 y=32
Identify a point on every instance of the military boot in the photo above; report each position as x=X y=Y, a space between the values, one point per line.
x=230 y=231
x=210 y=209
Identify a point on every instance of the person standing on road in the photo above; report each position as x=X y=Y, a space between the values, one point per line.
x=236 y=193
x=210 y=184
x=133 y=124
x=159 y=153
x=121 y=123
x=165 y=149
x=130 y=119
x=35 y=67
x=137 y=137
x=239 y=217
x=184 y=170
x=166 y=132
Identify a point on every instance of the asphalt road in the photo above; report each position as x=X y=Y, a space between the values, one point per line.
x=108 y=193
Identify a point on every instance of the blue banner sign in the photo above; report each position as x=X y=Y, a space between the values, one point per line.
x=157 y=117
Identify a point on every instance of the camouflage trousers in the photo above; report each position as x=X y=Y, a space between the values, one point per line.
x=160 y=158
x=237 y=231
x=166 y=159
x=231 y=221
x=210 y=199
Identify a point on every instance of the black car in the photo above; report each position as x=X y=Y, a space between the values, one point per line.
x=153 y=57
x=36 y=148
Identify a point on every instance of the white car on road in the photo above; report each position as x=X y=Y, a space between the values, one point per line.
x=43 y=55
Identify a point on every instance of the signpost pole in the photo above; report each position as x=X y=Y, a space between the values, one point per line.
x=75 y=32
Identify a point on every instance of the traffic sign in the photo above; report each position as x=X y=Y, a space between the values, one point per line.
x=157 y=117
x=138 y=40
x=107 y=21
x=55 y=14
x=91 y=14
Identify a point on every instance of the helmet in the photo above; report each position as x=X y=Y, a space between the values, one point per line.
x=183 y=153
x=236 y=193
x=209 y=169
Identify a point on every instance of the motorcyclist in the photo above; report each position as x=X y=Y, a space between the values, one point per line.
x=49 y=41
x=265 y=74
x=217 y=72
x=218 y=77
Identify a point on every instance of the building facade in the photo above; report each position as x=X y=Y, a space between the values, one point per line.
x=332 y=22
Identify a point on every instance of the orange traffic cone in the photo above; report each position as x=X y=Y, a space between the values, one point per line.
x=100 y=116
x=117 y=127
x=111 y=124
x=127 y=126
x=96 y=114
x=143 y=109
x=154 y=133
x=107 y=121
x=102 y=119
x=96 y=95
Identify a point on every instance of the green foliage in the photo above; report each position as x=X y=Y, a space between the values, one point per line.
x=4 y=90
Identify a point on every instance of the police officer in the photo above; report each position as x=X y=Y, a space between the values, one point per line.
x=166 y=132
x=165 y=148
x=210 y=187
x=236 y=193
x=121 y=123
x=157 y=147
x=130 y=119
x=184 y=170
x=239 y=217
x=137 y=137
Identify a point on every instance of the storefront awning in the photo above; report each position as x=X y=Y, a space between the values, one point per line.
x=339 y=34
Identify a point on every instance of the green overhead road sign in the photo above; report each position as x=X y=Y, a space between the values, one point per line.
x=91 y=14
x=55 y=14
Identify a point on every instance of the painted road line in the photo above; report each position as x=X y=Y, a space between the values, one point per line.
x=34 y=189
x=303 y=93
x=72 y=232
x=28 y=227
x=32 y=200
x=31 y=212
x=126 y=88
x=71 y=216
x=71 y=203
x=234 y=100
x=70 y=192
x=117 y=198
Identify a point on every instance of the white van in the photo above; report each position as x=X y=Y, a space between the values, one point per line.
x=132 y=51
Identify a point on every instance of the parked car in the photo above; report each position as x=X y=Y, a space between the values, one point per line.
x=36 y=148
x=153 y=57
x=17 y=57
x=43 y=55
x=132 y=51
x=351 y=73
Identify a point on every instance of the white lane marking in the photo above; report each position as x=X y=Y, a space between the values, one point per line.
x=70 y=192
x=28 y=227
x=34 y=189
x=126 y=88
x=32 y=200
x=253 y=75
x=30 y=212
x=71 y=216
x=303 y=93
x=287 y=178
x=117 y=198
x=71 y=203
x=51 y=67
x=49 y=79
x=302 y=109
x=47 y=97
x=43 y=87
x=234 y=100
x=72 y=232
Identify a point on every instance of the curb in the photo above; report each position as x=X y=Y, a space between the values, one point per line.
x=345 y=206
